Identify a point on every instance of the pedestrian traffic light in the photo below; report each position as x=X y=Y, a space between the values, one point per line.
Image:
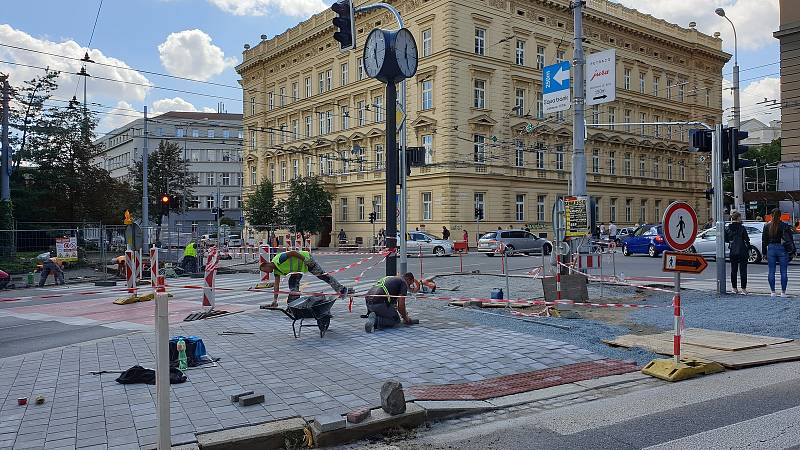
x=372 y=217
x=734 y=148
x=165 y=203
x=345 y=22
x=700 y=140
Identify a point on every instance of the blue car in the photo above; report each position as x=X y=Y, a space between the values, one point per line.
x=646 y=240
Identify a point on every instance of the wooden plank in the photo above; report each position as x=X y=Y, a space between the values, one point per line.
x=788 y=351
x=723 y=340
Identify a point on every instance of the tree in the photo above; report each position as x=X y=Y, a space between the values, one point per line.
x=167 y=173
x=307 y=204
x=260 y=209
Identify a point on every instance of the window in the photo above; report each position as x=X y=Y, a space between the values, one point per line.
x=480 y=209
x=378 y=105
x=159 y=131
x=612 y=163
x=657 y=128
x=643 y=211
x=194 y=202
x=427 y=206
x=343 y=206
x=539 y=155
x=309 y=167
x=226 y=179
x=308 y=87
x=681 y=86
x=329 y=164
x=612 y=116
x=519 y=101
x=627 y=119
x=360 y=208
x=252 y=105
x=479 y=94
x=682 y=170
x=560 y=55
x=226 y=134
x=345 y=117
x=344 y=79
x=362 y=115
x=211 y=179
x=379 y=156
x=559 y=157
x=210 y=202
x=480 y=41
x=626 y=166
x=329 y=121
x=595 y=161
x=272 y=173
x=642 y=120
x=195 y=133
x=295 y=93
x=540 y=57
x=296 y=168
x=641 y=83
x=656 y=85
x=253 y=176
x=284 y=133
x=539 y=106
x=656 y=167
x=239 y=179
x=226 y=202
x=321 y=83
x=669 y=89
x=519 y=210
x=628 y=210
x=180 y=132
x=377 y=207
x=626 y=79
x=308 y=126
x=595 y=114
x=271 y=138
x=322 y=129
x=669 y=168
x=240 y=134
x=540 y=207
x=270 y=101
x=642 y=166
x=427 y=42
x=427 y=144
x=657 y=210
x=253 y=140
x=612 y=210
x=597 y=202
x=329 y=79
x=519 y=153
x=519 y=57
x=295 y=129
x=284 y=173
x=479 y=148
x=282 y=96
x=360 y=64
x=427 y=94
x=708 y=97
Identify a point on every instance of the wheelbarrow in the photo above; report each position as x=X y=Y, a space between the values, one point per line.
x=317 y=307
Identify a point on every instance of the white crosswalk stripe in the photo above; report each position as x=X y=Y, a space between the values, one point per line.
x=756 y=284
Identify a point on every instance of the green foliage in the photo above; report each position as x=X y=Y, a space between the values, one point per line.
x=6 y=215
x=167 y=173
x=765 y=154
x=260 y=208
x=307 y=204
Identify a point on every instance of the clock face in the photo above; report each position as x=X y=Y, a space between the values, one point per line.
x=374 y=52
x=406 y=53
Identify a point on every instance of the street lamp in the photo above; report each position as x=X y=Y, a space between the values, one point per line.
x=738 y=178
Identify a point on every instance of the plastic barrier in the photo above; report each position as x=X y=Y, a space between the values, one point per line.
x=209 y=293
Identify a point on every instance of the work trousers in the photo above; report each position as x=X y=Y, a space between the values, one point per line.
x=58 y=273
x=386 y=315
x=315 y=269
x=739 y=264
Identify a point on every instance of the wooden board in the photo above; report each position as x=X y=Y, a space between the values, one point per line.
x=723 y=340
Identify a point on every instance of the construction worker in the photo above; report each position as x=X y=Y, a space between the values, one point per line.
x=189 y=262
x=294 y=264
x=54 y=265
x=386 y=302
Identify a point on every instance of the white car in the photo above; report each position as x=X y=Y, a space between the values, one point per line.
x=706 y=242
x=234 y=240
x=423 y=243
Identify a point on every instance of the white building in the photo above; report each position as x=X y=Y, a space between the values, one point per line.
x=760 y=133
x=212 y=142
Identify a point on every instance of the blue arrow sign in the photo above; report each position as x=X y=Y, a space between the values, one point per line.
x=556 y=77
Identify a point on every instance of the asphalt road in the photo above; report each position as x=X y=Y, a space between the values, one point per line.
x=32 y=332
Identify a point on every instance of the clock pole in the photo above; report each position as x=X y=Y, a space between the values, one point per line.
x=392 y=173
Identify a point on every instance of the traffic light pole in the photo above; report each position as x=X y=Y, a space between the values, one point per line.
x=403 y=183
x=145 y=193
x=716 y=183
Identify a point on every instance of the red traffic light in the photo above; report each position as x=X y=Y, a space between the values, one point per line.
x=165 y=199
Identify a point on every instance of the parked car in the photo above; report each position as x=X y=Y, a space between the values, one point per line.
x=209 y=239
x=234 y=240
x=647 y=239
x=419 y=242
x=516 y=241
x=706 y=242
x=624 y=233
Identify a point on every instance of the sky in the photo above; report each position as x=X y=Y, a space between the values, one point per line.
x=143 y=47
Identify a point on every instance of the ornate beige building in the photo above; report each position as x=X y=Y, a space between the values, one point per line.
x=309 y=109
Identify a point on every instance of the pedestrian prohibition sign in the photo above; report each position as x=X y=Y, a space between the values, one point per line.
x=680 y=226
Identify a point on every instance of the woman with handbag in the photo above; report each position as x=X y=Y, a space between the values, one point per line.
x=739 y=245
x=778 y=245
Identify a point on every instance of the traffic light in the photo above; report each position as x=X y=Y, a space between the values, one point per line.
x=345 y=22
x=372 y=217
x=734 y=148
x=165 y=203
x=700 y=140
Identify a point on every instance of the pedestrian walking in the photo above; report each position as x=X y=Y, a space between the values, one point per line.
x=777 y=243
x=612 y=230
x=445 y=233
x=466 y=240
x=739 y=245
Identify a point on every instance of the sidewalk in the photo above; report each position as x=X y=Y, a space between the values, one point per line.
x=304 y=377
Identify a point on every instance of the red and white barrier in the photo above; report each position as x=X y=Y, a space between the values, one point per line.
x=263 y=257
x=130 y=271
x=209 y=293
x=157 y=281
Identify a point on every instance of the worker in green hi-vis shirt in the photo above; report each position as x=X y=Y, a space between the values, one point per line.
x=294 y=264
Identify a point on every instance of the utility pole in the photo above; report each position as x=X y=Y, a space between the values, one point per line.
x=5 y=183
x=738 y=175
x=145 y=190
x=719 y=224
x=219 y=217
x=392 y=172
x=578 y=125
x=403 y=183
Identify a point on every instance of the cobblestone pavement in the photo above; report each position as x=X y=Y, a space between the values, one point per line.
x=307 y=376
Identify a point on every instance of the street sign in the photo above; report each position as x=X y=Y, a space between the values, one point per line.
x=680 y=225
x=601 y=77
x=576 y=216
x=684 y=262
x=134 y=236
x=400 y=116
x=555 y=93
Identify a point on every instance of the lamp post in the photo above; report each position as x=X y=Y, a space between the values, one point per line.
x=738 y=176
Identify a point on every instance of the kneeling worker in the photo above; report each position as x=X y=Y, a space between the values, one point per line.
x=386 y=303
x=297 y=263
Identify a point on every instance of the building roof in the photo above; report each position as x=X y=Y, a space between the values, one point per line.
x=200 y=115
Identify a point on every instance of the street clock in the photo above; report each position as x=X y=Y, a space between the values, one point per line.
x=390 y=56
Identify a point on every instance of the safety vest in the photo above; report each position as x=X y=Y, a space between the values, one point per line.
x=190 y=250
x=285 y=265
x=382 y=284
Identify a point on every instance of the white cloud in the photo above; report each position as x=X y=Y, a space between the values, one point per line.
x=297 y=8
x=97 y=86
x=751 y=100
x=176 y=104
x=190 y=53
x=120 y=115
x=755 y=20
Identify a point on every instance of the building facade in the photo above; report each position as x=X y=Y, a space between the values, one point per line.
x=211 y=142
x=475 y=105
x=789 y=169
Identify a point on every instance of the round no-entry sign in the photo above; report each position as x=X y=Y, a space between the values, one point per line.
x=680 y=225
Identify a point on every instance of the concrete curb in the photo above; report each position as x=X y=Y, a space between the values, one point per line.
x=378 y=422
x=287 y=433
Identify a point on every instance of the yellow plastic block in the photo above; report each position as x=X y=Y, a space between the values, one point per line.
x=666 y=369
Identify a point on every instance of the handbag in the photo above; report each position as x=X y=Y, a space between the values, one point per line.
x=788 y=243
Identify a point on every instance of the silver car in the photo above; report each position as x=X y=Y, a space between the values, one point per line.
x=422 y=243
x=516 y=241
x=706 y=242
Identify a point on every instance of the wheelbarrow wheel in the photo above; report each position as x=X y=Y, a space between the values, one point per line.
x=323 y=323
